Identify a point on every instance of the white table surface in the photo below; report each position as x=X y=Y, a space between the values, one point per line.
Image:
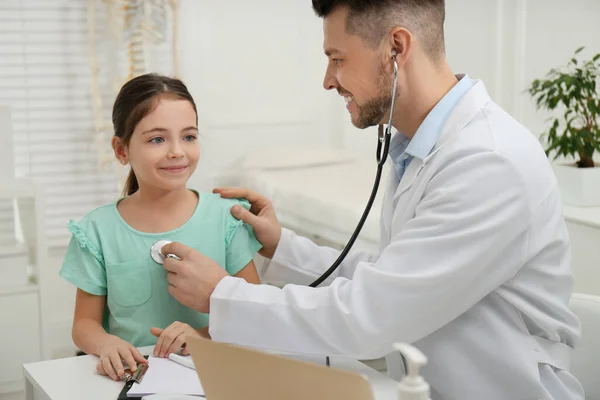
x=589 y=216
x=76 y=378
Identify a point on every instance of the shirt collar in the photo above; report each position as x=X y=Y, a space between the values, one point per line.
x=427 y=134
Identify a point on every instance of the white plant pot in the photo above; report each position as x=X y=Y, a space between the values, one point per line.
x=579 y=186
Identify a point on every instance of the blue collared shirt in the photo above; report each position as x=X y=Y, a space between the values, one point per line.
x=403 y=149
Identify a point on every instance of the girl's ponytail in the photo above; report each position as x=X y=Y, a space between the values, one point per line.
x=131 y=185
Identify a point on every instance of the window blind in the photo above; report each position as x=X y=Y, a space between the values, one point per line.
x=8 y=239
x=46 y=79
x=7 y=223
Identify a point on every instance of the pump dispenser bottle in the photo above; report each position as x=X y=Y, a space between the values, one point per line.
x=412 y=386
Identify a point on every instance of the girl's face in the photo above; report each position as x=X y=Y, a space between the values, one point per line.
x=163 y=150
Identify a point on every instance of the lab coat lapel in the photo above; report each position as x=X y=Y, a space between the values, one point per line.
x=390 y=200
x=472 y=103
x=388 y=207
x=409 y=176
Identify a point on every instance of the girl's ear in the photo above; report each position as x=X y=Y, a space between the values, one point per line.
x=119 y=149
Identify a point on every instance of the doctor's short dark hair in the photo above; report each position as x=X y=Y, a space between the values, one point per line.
x=373 y=19
x=136 y=99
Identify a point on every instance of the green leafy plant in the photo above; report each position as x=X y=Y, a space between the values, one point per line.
x=573 y=89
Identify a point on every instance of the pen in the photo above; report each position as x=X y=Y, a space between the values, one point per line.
x=186 y=362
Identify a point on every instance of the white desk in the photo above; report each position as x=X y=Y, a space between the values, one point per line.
x=75 y=378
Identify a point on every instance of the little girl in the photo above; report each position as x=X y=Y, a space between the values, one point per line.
x=122 y=298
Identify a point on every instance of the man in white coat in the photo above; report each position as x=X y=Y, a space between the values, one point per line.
x=474 y=263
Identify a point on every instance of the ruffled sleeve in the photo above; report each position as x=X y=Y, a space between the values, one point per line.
x=83 y=265
x=83 y=241
x=240 y=241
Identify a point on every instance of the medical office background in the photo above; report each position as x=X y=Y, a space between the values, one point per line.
x=255 y=69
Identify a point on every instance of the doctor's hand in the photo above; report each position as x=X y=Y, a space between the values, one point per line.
x=172 y=338
x=193 y=278
x=261 y=217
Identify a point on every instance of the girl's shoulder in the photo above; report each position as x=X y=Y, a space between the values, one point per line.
x=86 y=230
x=101 y=216
x=216 y=205
x=217 y=200
x=219 y=210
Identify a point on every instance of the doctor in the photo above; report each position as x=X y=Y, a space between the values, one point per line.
x=474 y=264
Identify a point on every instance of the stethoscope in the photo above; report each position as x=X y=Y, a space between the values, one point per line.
x=157 y=255
x=381 y=157
x=382 y=139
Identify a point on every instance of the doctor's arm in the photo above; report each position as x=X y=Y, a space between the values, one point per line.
x=293 y=258
x=448 y=257
x=174 y=337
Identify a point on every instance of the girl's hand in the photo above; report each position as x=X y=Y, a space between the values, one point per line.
x=112 y=352
x=171 y=339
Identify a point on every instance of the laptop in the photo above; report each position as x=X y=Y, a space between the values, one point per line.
x=230 y=372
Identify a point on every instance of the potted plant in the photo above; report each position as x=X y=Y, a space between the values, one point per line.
x=572 y=95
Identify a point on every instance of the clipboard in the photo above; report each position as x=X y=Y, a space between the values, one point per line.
x=130 y=379
x=270 y=376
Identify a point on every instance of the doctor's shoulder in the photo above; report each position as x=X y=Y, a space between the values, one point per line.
x=492 y=157
x=515 y=143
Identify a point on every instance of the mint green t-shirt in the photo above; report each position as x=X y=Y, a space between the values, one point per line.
x=107 y=257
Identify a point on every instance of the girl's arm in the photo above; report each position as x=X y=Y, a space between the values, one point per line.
x=89 y=336
x=249 y=273
x=88 y=333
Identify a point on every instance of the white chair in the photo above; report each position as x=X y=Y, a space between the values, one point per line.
x=585 y=363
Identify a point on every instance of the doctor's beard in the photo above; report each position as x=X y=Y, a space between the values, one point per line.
x=373 y=111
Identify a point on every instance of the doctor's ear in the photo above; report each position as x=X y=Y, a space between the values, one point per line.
x=400 y=41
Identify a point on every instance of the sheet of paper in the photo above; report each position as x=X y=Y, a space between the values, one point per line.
x=168 y=377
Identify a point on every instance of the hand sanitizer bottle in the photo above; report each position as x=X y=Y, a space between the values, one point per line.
x=412 y=386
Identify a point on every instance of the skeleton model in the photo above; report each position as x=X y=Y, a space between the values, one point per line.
x=126 y=38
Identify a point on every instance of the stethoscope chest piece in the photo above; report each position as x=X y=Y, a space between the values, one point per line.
x=155 y=251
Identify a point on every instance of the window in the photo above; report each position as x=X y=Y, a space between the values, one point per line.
x=46 y=79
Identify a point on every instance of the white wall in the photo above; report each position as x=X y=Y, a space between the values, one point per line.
x=59 y=301
x=255 y=70
x=549 y=41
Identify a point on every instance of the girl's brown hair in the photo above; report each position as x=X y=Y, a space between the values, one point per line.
x=135 y=100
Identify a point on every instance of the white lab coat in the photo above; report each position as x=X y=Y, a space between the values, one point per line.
x=474 y=269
